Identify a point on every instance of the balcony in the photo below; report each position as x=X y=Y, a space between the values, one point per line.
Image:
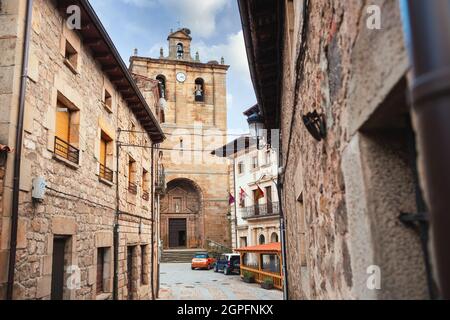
x=160 y=181
x=106 y=174
x=132 y=188
x=66 y=151
x=145 y=195
x=261 y=210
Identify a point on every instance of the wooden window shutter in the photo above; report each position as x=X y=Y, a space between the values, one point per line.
x=63 y=123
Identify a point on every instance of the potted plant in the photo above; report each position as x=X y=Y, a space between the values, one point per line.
x=248 y=277
x=267 y=284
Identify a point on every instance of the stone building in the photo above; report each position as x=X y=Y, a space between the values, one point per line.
x=195 y=207
x=93 y=233
x=255 y=218
x=337 y=90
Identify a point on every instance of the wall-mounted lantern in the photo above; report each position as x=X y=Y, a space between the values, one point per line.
x=256 y=126
x=316 y=125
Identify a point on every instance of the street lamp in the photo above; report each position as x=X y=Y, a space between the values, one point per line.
x=256 y=126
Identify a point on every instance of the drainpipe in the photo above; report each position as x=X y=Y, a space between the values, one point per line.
x=116 y=223
x=427 y=28
x=152 y=175
x=235 y=204
x=18 y=153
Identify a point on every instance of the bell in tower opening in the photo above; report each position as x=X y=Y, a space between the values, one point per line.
x=180 y=51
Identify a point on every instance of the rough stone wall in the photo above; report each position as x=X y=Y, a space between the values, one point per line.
x=340 y=68
x=78 y=204
x=202 y=126
x=12 y=13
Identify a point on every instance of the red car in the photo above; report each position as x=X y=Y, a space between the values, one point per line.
x=202 y=260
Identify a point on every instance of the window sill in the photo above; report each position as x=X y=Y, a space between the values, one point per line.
x=107 y=182
x=103 y=296
x=70 y=164
x=71 y=67
x=107 y=108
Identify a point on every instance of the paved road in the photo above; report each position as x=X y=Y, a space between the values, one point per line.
x=179 y=282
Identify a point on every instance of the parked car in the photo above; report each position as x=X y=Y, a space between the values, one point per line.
x=202 y=260
x=228 y=263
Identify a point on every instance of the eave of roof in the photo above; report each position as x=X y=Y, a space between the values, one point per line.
x=263 y=27
x=104 y=51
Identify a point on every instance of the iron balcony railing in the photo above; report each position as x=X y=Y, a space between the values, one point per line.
x=132 y=187
x=106 y=174
x=66 y=151
x=145 y=195
x=261 y=210
x=160 y=182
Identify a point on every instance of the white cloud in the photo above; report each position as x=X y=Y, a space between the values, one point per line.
x=197 y=15
x=233 y=50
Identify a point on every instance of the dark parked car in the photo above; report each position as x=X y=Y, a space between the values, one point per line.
x=228 y=263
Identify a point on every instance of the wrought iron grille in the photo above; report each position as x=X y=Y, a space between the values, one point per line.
x=66 y=151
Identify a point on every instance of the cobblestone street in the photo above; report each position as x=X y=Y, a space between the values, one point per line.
x=179 y=282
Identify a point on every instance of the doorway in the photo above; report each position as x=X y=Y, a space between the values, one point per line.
x=177 y=233
x=130 y=273
x=58 y=265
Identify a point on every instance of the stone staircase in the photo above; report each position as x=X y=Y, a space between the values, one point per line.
x=179 y=255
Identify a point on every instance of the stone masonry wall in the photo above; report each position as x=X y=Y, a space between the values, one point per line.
x=78 y=204
x=339 y=67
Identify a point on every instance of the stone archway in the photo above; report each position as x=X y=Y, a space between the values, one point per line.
x=182 y=222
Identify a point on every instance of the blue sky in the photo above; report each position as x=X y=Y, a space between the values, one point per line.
x=216 y=31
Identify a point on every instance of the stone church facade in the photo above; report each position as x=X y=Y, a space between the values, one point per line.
x=195 y=207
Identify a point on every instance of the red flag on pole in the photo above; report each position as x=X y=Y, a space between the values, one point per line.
x=259 y=194
x=231 y=199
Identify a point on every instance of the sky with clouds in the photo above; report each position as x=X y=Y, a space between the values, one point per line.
x=216 y=32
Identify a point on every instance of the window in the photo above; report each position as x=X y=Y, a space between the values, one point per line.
x=66 y=131
x=255 y=162
x=240 y=168
x=145 y=183
x=71 y=57
x=162 y=86
x=262 y=239
x=107 y=102
x=256 y=202
x=269 y=202
x=106 y=148
x=267 y=158
x=274 y=237
x=100 y=269
x=243 y=242
x=144 y=265
x=180 y=51
x=133 y=139
x=132 y=186
x=199 y=90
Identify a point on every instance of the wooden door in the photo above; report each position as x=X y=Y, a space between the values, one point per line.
x=100 y=269
x=63 y=123
x=177 y=233
x=103 y=144
x=59 y=250
x=130 y=272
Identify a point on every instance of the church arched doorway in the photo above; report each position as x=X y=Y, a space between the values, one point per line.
x=181 y=215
